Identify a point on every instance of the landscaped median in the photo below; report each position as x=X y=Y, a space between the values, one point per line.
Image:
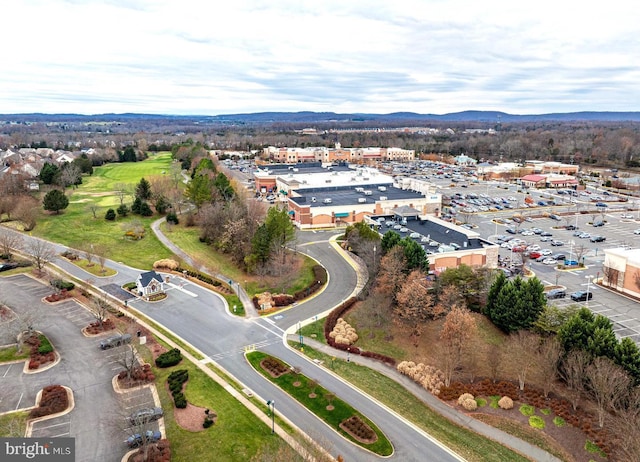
x=325 y=405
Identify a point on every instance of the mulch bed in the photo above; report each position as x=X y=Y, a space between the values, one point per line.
x=6 y=314
x=359 y=430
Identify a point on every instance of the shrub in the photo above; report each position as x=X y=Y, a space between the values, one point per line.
x=110 y=215
x=505 y=403
x=527 y=409
x=172 y=218
x=536 y=422
x=429 y=377
x=559 y=421
x=343 y=333
x=179 y=400
x=465 y=396
x=45 y=346
x=62 y=285
x=166 y=263
x=207 y=422
x=169 y=358
x=469 y=404
x=123 y=210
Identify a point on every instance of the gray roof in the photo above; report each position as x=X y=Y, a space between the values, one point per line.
x=347 y=195
x=146 y=278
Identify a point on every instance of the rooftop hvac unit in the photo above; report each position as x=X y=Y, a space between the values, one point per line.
x=383 y=198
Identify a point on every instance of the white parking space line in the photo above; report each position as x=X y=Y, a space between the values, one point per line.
x=7 y=371
x=58 y=436
x=54 y=425
x=19 y=401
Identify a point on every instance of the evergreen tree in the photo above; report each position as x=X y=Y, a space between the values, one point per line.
x=499 y=282
x=627 y=355
x=123 y=210
x=198 y=190
x=49 y=173
x=55 y=200
x=143 y=190
x=110 y=215
x=136 y=207
x=389 y=240
x=223 y=186
x=414 y=254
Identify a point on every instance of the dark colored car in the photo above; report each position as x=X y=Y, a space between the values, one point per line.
x=546 y=234
x=557 y=243
x=8 y=266
x=147 y=414
x=137 y=439
x=581 y=296
x=598 y=239
x=556 y=293
x=510 y=230
x=559 y=256
x=597 y=224
x=571 y=227
x=115 y=341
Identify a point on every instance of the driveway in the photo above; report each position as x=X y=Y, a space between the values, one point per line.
x=97 y=420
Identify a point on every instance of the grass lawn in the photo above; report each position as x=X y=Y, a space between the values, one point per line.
x=11 y=354
x=13 y=424
x=187 y=238
x=237 y=435
x=469 y=445
x=75 y=226
x=318 y=405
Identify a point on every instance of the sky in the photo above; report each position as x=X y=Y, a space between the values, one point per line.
x=212 y=57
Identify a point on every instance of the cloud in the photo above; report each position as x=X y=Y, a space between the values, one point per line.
x=159 y=56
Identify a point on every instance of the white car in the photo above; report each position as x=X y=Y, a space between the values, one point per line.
x=414 y=235
x=549 y=261
x=533 y=248
x=636 y=231
x=546 y=252
x=403 y=229
x=627 y=215
x=527 y=233
x=424 y=239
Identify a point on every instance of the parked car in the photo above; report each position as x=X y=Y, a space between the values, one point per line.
x=546 y=252
x=136 y=439
x=144 y=415
x=549 y=261
x=597 y=224
x=546 y=239
x=584 y=235
x=414 y=235
x=557 y=243
x=534 y=254
x=598 y=239
x=556 y=293
x=571 y=263
x=559 y=256
x=546 y=234
x=601 y=204
x=510 y=230
x=555 y=217
x=571 y=227
x=114 y=341
x=581 y=296
x=8 y=266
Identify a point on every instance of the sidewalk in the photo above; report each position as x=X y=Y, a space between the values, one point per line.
x=459 y=418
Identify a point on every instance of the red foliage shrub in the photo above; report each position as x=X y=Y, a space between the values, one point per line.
x=54 y=399
x=283 y=300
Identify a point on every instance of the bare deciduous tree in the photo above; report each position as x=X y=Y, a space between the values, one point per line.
x=573 y=371
x=122 y=190
x=549 y=355
x=9 y=242
x=101 y=252
x=608 y=385
x=41 y=252
x=521 y=344
x=93 y=208
x=457 y=329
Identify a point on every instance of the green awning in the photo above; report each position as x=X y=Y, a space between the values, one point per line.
x=342 y=214
x=292 y=212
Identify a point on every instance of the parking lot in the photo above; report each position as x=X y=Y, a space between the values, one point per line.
x=98 y=420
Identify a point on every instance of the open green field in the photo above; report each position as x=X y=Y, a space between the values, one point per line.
x=75 y=226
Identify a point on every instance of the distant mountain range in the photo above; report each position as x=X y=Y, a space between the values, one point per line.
x=310 y=117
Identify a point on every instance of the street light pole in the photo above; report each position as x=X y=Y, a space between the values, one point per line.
x=272 y=403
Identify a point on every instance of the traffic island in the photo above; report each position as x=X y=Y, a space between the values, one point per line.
x=339 y=415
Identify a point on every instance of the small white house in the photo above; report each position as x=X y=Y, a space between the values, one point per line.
x=150 y=283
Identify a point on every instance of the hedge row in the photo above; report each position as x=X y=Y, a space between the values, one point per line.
x=339 y=312
x=319 y=280
x=176 y=381
x=200 y=276
x=169 y=358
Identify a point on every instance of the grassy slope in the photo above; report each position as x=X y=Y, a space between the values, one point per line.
x=75 y=226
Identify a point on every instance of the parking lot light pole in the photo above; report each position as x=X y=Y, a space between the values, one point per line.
x=589 y=278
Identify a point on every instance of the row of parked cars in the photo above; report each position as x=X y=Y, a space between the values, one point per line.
x=579 y=296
